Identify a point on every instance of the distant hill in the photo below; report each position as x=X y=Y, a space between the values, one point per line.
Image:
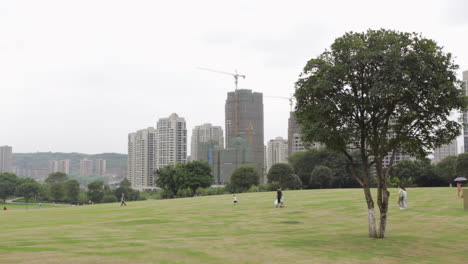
x=116 y=163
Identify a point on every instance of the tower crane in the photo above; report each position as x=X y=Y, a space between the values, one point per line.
x=291 y=100
x=235 y=75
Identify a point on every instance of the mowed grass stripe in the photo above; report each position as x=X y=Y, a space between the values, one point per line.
x=317 y=226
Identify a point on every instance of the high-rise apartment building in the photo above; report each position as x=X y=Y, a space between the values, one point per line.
x=294 y=135
x=295 y=142
x=100 y=167
x=465 y=114
x=203 y=135
x=86 y=167
x=59 y=166
x=444 y=151
x=6 y=159
x=277 y=152
x=141 y=162
x=244 y=119
x=171 y=142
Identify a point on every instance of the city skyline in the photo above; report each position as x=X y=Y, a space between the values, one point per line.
x=65 y=77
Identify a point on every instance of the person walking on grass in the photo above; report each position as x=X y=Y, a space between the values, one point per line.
x=279 y=197
x=459 y=190
x=402 y=195
x=234 y=198
x=122 y=200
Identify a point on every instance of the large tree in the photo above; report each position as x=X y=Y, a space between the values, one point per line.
x=56 y=182
x=283 y=174
x=72 y=190
x=379 y=92
x=7 y=185
x=28 y=190
x=96 y=191
x=446 y=169
x=244 y=177
x=180 y=176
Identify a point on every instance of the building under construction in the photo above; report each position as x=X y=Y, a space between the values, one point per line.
x=244 y=119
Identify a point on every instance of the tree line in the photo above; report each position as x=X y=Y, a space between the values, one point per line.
x=59 y=188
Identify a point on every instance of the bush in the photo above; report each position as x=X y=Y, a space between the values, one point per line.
x=187 y=192
x=243 y=178
x=167 y=194
x=253 y=188
x=109 y=198
x=83 y=198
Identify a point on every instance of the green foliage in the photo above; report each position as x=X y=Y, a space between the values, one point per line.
x=268 y=187
x=185 y=192
x=96 y=191
x=284 y=174
x=56 y=192
x=379 y=91
x=125 y=183
x=304 y=162
x=56 y=178
x=321 y=177
x=7 y=185
x=72 y=190
x=461 y=167
x=109 y=198
x=415 y=172
x=243 y=178
x=446 y=169
x=83 y=198
x=180 y=176
x=28 y=189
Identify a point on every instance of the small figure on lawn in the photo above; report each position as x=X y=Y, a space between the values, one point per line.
x=122 y=200
x=234 y=198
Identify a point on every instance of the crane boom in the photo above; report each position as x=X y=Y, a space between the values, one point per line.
x=291 y=100
x=235 y=75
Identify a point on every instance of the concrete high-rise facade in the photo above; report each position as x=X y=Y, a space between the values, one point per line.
x=465 y=114
x=445 y=151
x=59 y=166
x=277 y=152
x=244 y=119
x=6 y=159
x=141 y=162
x=171 y=142
x=86 y=167
x=208 y=134
x=295 y=143
x=100 y=167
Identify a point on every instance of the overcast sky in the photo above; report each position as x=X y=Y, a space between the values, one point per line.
x=78 y=76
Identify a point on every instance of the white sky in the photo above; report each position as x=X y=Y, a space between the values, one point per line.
x=78 y=76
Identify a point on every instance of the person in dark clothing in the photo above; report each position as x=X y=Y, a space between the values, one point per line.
x=122 y=200
x=279 y=196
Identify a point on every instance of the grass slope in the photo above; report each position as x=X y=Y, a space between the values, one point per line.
x=317 y=226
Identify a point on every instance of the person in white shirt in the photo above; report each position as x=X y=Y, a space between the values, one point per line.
x=402 y=195
x=234 y=198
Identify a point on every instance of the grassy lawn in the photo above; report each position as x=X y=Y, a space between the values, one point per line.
x=317 y=226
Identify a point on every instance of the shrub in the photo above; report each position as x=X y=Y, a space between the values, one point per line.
x=109 y=198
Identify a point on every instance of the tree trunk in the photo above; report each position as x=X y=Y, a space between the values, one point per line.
x=383 y=206
x=371 y=212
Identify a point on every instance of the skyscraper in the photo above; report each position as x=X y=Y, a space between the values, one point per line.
x=294 y=135
x=445 y=150
x=59 y=166
x=208 y=134
x=6 y=159
x=171 y=142
x=465 y=114
x=277 y=152
x=141 y=162
x=100 y=167
x=244 y=119
x=86 y=167
x=295 y=142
